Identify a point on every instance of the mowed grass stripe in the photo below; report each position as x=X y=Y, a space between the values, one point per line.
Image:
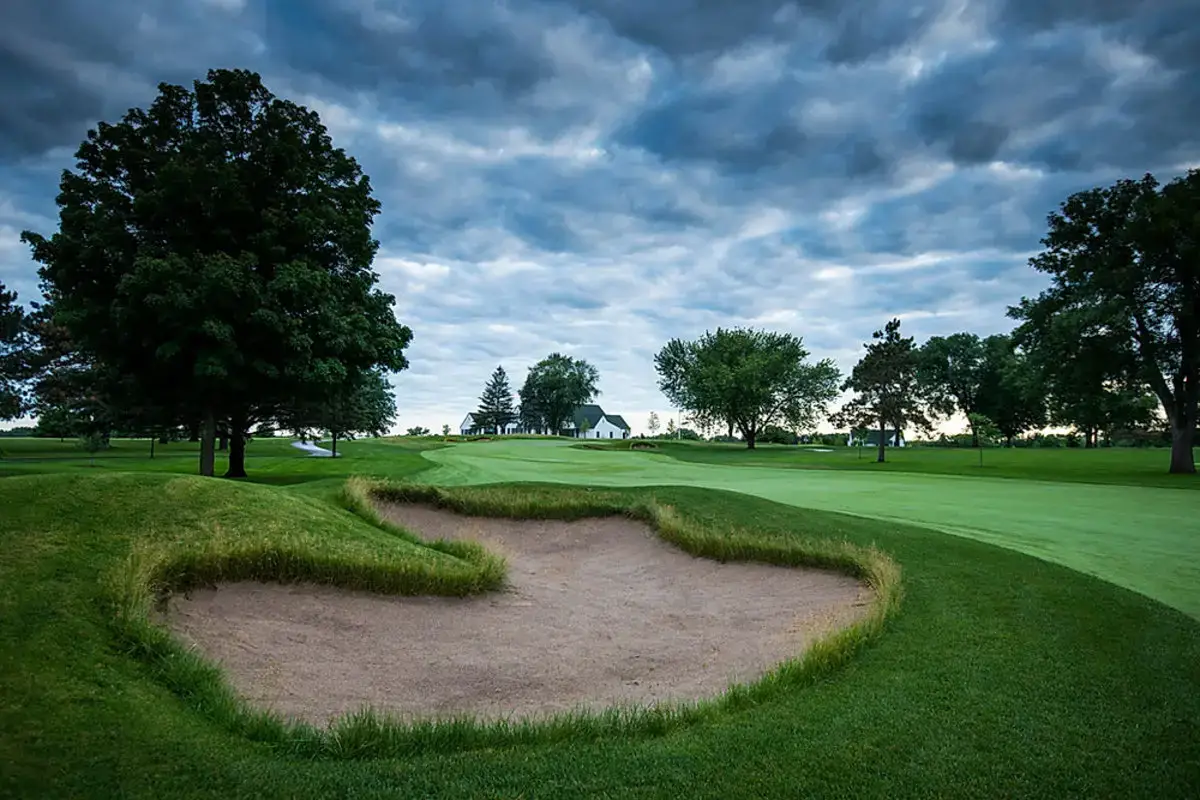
x=1143 y=538
x=1002 y=675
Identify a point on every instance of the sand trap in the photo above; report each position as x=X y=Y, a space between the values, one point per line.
x=600 y=612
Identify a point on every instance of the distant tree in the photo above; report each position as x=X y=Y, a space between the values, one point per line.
x=775 y=434
x=888 y=391
x=554 y=388
x=1124 y=261
x=364 y=404
x=584 y=427
x=652 y=424
x=1011 y=392
x=983 y=429
x=951 y=370
x=417 y=431
x=445 y=430
x=216 y=251
x=748 y=379
x=1087 y=367
x=13 y=347
x=496 y=410
x=671 y=429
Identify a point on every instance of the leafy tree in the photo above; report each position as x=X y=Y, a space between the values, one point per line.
x=652 y=424
x=554 y=388
x=417 y=431
x=496 y=410
x=216 y=250
x=671 y=429
x=1011 y=392
x=364 y=404
x=13 y=346
x=886 y=381
x=445 y=430
x=748 y=379
x=1087 y=367
x=951 y=371
x=1125 y=267
x=774 y=434
x=584 y=427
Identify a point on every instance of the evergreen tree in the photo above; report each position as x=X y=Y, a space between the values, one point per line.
x=496 y=410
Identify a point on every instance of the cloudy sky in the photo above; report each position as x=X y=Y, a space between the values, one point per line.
x=598 y=176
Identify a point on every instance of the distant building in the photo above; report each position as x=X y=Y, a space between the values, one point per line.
x=891 y=438
x=588 y=422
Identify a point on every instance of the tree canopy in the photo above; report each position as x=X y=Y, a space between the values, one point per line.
x=748 y=379
x=12 y=346
x=216 y=250
x=363 y=404
x=951 y=371
x=1011 y=393
x=887 y=386
x=496 y=410
x=1123 y=309
x=554 y=388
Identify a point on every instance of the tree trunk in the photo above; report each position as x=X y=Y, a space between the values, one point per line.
x=1008 y=440
x=223 y=443
x=333 y=438
x=151 y=447
x=882 y=444
x=1183 y=461
x=237 y=451
x=194 y=432
x=974 y=438
x=751 y=436
x=208 y=436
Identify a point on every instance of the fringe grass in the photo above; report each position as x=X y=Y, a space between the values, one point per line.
x=461 y=568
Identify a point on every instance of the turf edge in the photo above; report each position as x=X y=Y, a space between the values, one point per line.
x=147 y=576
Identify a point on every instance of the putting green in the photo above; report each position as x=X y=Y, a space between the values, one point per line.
x=1145 y=539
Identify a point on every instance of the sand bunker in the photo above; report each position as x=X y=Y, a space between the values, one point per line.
x=599 y=612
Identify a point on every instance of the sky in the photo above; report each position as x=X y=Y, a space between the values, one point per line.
x=596 y=177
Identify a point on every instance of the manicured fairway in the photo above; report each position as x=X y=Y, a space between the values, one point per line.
x=1144 y=538
x=1000 y=676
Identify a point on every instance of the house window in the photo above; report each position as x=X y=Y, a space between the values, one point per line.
x=610 y=434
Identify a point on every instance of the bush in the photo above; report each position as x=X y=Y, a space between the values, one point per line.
x=725 y=439
x=773 y=434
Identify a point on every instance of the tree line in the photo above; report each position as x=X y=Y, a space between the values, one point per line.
x=554 y=387
x=212 y=276
x=1113 y=343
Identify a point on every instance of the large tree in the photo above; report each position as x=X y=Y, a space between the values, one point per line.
x=887 y=386
x=1011 y=392
x=496 y=411
x=363 y=404
x=1124 y=261
x=951 y=371
x=13 y=343
x=216 y=250
x=554 y=388
x=747 y=378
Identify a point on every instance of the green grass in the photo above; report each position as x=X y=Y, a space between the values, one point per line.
x=1124 y=466
x=999 y=675
x=1140 y=537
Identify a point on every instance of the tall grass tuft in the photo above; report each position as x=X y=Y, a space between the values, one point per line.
x=460 y=568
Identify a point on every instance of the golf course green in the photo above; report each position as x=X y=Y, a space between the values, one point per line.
x=1143 y=538
x=1044 y=641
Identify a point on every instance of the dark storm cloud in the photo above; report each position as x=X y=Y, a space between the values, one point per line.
x=436 y=49
x=602 y=175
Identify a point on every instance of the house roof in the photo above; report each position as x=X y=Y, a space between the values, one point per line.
x=592 y=413
x=618 y=420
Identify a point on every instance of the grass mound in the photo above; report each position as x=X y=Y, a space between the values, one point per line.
x=1004 y=675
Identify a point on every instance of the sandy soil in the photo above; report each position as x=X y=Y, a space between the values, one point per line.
x=600 y=612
